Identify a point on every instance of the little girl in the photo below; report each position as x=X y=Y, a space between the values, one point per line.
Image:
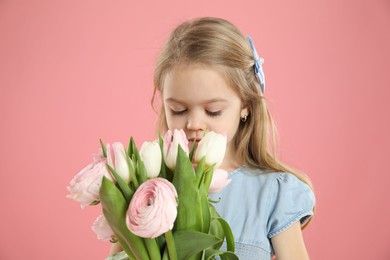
x=209 y=77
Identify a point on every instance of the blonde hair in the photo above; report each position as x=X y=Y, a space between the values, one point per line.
x=217 y=43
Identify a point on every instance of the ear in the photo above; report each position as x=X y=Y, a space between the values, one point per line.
x=244 y=111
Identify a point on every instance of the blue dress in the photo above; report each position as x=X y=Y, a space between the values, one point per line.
x=259 y=205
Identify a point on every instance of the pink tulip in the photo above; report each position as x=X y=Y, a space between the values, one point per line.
x=102 y=229
x=153 y=208
x=171 y=144
x=116 y=158
x=220 y=180
x=84 y=187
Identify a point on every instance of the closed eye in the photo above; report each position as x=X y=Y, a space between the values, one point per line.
x=178 y=112
x=214 y=113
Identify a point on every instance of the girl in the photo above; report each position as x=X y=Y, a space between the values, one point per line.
x=210 y=77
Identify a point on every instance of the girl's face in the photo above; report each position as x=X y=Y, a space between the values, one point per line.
x=197 y=98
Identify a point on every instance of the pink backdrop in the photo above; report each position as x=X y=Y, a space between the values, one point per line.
x=72 y=72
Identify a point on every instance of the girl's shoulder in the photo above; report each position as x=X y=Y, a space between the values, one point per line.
x=269 y=178
x=260 y=204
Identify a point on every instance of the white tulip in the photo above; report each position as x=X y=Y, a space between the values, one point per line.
x=151 y=156
x=213 y=146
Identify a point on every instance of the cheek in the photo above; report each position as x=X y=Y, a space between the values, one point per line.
x=174 y=122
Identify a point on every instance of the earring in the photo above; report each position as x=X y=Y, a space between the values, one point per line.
x=243 y=119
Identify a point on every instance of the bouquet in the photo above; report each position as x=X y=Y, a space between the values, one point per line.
x=155 y=200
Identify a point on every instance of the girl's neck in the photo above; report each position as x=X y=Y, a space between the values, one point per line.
x=230 y=162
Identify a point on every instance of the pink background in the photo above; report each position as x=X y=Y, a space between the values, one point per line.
x=72 y=72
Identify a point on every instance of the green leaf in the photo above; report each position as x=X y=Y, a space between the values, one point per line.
x=104 y=149
x=208 y=176
x=204 y=204
x=191 y=243
x=165 y=172
x=192 y=150
x=228 y=234
x=140 y=165
x=224 y=255
x=132 y=173
x=114 y=209
x=142 y=171
x=216 y=228
x=189 y=216
x=127 y=192
x=200 y=170
x=130 y=147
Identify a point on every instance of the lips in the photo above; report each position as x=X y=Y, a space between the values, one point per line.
x=192 y=140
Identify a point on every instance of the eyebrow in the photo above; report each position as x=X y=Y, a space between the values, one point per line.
x=208 y=101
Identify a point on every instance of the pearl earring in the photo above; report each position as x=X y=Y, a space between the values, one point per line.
x=243 y=119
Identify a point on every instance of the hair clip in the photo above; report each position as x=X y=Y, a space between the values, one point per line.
x=258 y=65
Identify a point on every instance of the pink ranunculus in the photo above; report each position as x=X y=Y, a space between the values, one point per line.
x=84 y=187
x=219 y=181
x=102 y=229
x=153 y=208
x=171 y=144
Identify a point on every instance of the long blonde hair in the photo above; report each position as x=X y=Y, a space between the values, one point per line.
x=218 y=43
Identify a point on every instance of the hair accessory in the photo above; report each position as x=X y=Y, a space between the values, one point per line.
x=257 y=67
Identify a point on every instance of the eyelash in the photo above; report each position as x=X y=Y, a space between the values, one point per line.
x=216 y=113
x=209 y=113
x=178 y=113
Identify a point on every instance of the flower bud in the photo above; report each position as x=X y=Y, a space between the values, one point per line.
x=116 y=158
x=219 y=181
x=213 y=146
x=102 y=229
x=171 y=144
x=151 y=156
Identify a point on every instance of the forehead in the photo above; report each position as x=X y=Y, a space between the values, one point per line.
x=196 y=83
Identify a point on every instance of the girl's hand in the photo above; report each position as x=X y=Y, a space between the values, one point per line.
x=289 y=244
x=115 y=248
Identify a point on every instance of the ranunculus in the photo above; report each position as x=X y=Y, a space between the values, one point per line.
x=171 y=145
x=213 y=146
x=151 y=156
x=102 y=229
x=84 y=187
x=116 y=158
x=219 y=181
x=153 y=208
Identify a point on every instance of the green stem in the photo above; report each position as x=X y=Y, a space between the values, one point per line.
x=171 y=245
x=153 y=249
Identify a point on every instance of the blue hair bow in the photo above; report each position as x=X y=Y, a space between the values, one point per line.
x=257 y=67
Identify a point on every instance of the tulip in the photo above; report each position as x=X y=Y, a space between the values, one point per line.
x=153 y=208
x=219 y=181
x=213 y=146
x=102 y=229
x=171 y=145
x=151 y=156
x=116 y=158
x=84 y=187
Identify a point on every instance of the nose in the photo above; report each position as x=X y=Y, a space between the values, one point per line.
x=195 y=122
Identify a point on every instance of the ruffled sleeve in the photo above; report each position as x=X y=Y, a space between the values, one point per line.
x=291 y=200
